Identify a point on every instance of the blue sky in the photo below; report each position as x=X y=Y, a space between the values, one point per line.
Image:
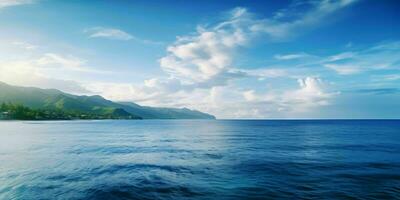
x=233 y=59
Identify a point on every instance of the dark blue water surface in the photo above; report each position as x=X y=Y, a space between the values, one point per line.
x=209 y=159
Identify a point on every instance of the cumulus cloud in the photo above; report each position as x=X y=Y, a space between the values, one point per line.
x=201 y=65
x=210 y=51
x=312 y=92
x=154 y=92
x=203 y=56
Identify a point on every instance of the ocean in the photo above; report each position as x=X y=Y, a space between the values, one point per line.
x=200 y=159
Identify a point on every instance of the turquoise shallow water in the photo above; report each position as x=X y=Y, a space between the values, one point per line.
x=200 y=159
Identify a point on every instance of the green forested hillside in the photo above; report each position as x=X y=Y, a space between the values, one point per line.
x=147 y=112
x=95 y=106
x=21 y=112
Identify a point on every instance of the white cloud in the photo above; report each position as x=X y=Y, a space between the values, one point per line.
x=108 y=33
x=204 y=56
x=278 y=29
x=378 y=57
x=231 y=102
x=250 y=95
x=210 y=51
x=344 y=69
x=392 y=77
x=64 y=62
x=312 y=93
x=9 y=3
x=387 y=78
x=200 y=72
x=342 y=56
x=290 y=56
x=264 y=73
x=25 y=45
x=116 y=34
x=50 y=59
x=383 y=56
x=26 y=73
x=226 y=101
x=48 y=70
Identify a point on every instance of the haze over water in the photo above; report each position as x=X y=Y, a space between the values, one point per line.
x=200 y=159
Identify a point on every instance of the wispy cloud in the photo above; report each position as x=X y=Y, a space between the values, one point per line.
x=25 y=45
x=283 y=25
x=384 y=56
x=344 y=69
x=342 y=56
x=9 y=3
x=116 y=34
x=66 y=62
x=48 y=70
x=108 y=33
x=379 y=91
x=56 y=60
x=391 y=77
x=377 y=57
x=27 y=73
x=290 y=56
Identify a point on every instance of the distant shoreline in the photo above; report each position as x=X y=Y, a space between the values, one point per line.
x=55 y=120
x=29 y=103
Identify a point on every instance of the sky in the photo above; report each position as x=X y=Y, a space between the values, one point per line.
x=230 y=58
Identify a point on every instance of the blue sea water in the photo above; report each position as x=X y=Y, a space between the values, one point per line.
x=200 y=159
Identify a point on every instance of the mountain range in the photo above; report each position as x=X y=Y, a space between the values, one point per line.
x=52 y=99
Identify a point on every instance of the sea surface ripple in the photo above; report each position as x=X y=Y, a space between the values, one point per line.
x=200 y=159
